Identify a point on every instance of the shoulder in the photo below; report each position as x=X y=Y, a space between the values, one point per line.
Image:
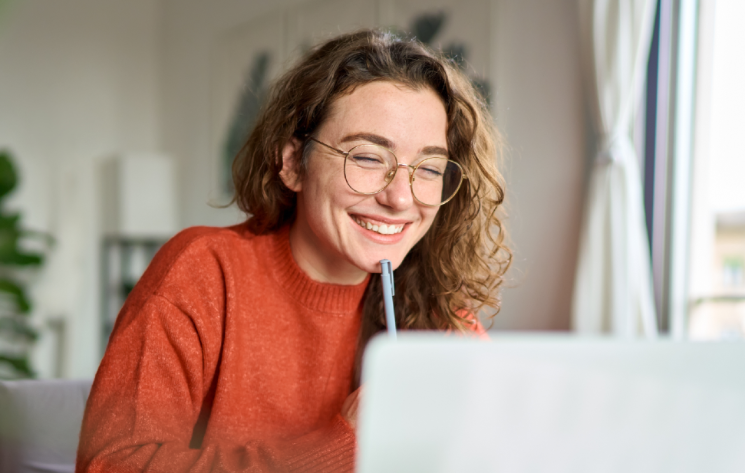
x=197 y=244
x=194 y=241
x=195 y=257
x=190 y=275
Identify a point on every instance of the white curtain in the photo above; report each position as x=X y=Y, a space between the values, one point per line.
x=613 y=283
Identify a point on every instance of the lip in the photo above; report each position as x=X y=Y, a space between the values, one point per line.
x=377 y=219
x=377 y=237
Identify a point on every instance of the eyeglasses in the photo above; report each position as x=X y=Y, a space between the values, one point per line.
x=369 y=169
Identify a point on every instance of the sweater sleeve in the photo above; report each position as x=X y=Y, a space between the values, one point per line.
x=476 y=329
x=151 y=398
x=146 y=401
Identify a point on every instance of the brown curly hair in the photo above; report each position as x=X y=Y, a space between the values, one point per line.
x=457 y=267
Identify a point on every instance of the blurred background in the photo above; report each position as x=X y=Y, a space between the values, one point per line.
x=118 y=121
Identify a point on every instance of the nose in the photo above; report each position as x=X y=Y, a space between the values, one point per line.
x=397 y=195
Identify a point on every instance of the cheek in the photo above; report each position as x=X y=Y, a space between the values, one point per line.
x=428 y=215
x=327 y=193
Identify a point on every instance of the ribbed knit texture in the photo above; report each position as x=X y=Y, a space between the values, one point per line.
x=226 y=357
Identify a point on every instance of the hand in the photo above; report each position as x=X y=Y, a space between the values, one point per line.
x=350 y=407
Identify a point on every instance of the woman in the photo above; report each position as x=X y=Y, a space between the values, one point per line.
x=239 y=347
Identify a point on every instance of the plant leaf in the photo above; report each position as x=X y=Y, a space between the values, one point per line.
x=20 y=365
x=35 y=234
x=17 y=294
x=18 y=327
x=8 y=175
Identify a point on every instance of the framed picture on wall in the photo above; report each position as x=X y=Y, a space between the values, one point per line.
x=461 y=30
x=245 y=61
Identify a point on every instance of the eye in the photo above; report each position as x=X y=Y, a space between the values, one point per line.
x=428 y=171
x=368 y=160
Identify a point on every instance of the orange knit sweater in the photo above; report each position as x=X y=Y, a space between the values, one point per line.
x=226 y=357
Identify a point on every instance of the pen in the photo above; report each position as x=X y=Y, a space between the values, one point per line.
x=386 y=274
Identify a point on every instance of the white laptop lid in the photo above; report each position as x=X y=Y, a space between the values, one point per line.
x=518 y=404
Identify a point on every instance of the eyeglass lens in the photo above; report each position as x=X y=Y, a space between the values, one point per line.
x=369 y=168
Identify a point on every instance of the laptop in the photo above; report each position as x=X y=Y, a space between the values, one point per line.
x=551 y=404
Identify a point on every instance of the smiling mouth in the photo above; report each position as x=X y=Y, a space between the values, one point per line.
x=382 y=229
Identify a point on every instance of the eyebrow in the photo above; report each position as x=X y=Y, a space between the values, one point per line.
x=430 y=150
x=385 y=142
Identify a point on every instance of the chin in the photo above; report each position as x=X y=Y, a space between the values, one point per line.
x=372 y=264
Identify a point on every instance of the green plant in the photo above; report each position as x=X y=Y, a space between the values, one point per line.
x=16 y=332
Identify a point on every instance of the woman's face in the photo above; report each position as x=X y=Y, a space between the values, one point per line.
x=327 y=238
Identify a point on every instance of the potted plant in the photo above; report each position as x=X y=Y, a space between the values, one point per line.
x=16 y=332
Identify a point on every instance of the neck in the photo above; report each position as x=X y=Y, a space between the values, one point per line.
x=317 y=261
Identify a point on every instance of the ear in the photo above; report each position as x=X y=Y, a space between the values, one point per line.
x=291 y=155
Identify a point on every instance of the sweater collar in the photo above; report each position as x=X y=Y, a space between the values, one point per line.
x=324 y=297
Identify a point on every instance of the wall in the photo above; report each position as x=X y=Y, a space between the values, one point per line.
x=540 y=110
x=78 y=82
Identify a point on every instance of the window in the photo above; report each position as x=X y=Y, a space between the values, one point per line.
x=717 y=230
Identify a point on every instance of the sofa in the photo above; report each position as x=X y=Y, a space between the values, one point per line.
x=40 y=424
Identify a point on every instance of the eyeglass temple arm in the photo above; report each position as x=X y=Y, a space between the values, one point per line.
x=343 y=153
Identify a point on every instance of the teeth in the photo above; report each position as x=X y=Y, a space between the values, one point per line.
x=382 y=229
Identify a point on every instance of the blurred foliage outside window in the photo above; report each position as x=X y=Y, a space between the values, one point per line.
x=719 y=311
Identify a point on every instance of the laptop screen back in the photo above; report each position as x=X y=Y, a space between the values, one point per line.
x=518 y=404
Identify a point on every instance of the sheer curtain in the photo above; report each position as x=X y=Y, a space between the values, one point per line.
x=613 y=283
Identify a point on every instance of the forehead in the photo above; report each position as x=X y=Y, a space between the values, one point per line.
x=405 y=116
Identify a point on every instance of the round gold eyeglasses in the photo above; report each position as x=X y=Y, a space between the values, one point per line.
x=370 y=168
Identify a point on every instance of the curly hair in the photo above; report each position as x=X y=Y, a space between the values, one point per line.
x=457 y=267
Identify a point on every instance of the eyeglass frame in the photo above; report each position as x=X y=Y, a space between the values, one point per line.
x=412 y=169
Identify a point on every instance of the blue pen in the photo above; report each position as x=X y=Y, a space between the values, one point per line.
x=386 y=274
